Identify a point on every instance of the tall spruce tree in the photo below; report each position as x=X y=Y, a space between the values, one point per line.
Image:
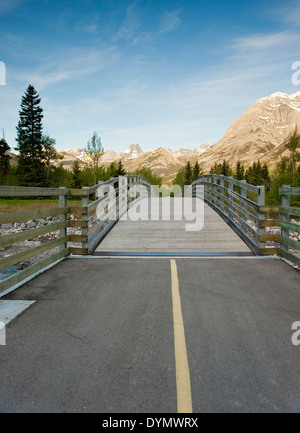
x=4 y=158
x=196 y=171
x=293 y=145
x=31 y=166
x=120 y=169
x=188 y=174
x=240 y=171
x=76 y=179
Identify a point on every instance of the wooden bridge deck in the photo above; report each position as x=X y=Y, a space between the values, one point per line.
x=171 y=236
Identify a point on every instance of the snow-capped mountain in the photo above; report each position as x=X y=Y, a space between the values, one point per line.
x=133 y=151
x=259 y=133
x=77 y=152
x=202 y=148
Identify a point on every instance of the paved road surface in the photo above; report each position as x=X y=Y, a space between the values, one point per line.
x=100 y=337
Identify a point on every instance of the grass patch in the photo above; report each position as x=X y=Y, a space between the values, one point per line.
x=21 y=205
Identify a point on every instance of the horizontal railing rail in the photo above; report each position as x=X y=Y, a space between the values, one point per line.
x=243 y=207
x=289 y=238
x=21 y=258
x=51 y=234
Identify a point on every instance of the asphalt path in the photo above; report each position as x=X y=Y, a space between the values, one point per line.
x=100 y=337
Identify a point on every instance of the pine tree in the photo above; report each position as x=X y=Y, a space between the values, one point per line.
x=266 y=178
x=76 y=179
x=188 y=174
x=120 y=169
x=216 y=169
x=4 y=158
x=240 y=171
x=196 y=171
x=226 y=171
x=293 y=144
x=31 y=167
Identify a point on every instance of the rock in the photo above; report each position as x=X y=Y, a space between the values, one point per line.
x=41 y=221
x=17 y=225
x=31 y=225
x=23 y=225
x=7 y=226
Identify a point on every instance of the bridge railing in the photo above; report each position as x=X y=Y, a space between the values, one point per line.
x=289 y=238
x=32 y=240
x=102 y=206
x=243 y=207
x=45 y=227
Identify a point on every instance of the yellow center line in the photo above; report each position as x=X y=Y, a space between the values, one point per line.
x=183 y=383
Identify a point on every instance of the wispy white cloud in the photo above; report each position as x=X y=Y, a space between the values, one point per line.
x=71 y=65
x=132 y=29
x=131 y=24
x=170 y=21
x=266 y=42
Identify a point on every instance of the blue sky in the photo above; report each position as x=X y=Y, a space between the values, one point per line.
x=157 y=73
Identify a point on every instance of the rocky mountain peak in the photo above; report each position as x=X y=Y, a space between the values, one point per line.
x=133 y=151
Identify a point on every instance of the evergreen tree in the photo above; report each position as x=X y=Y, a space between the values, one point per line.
x=31 y=166
x=120 y=169
x=111 y=170
x=76 y=177
x=226 y=170
x=188 y=174
x=240 y=171
x=266 y=178
x=196 y=171
x=293 y=144
x=4 y=158
x=216 y=169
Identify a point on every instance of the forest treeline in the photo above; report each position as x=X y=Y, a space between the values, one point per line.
x=286 y=172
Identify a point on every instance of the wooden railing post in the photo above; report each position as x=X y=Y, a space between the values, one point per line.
x=261 y=201
x=214 y=190
x=123 y=194
x=230 y=197
x=85 y=217
x=62 y=203
x=243 y=192
x=221 y=196
x=286 y=202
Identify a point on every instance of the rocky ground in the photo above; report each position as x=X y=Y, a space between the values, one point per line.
x=12 y=228
x=293 y=235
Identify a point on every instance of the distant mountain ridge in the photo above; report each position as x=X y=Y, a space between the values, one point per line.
x=162 y=161
x=258 y=133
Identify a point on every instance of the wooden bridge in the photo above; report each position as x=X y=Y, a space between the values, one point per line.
x=153 y=304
